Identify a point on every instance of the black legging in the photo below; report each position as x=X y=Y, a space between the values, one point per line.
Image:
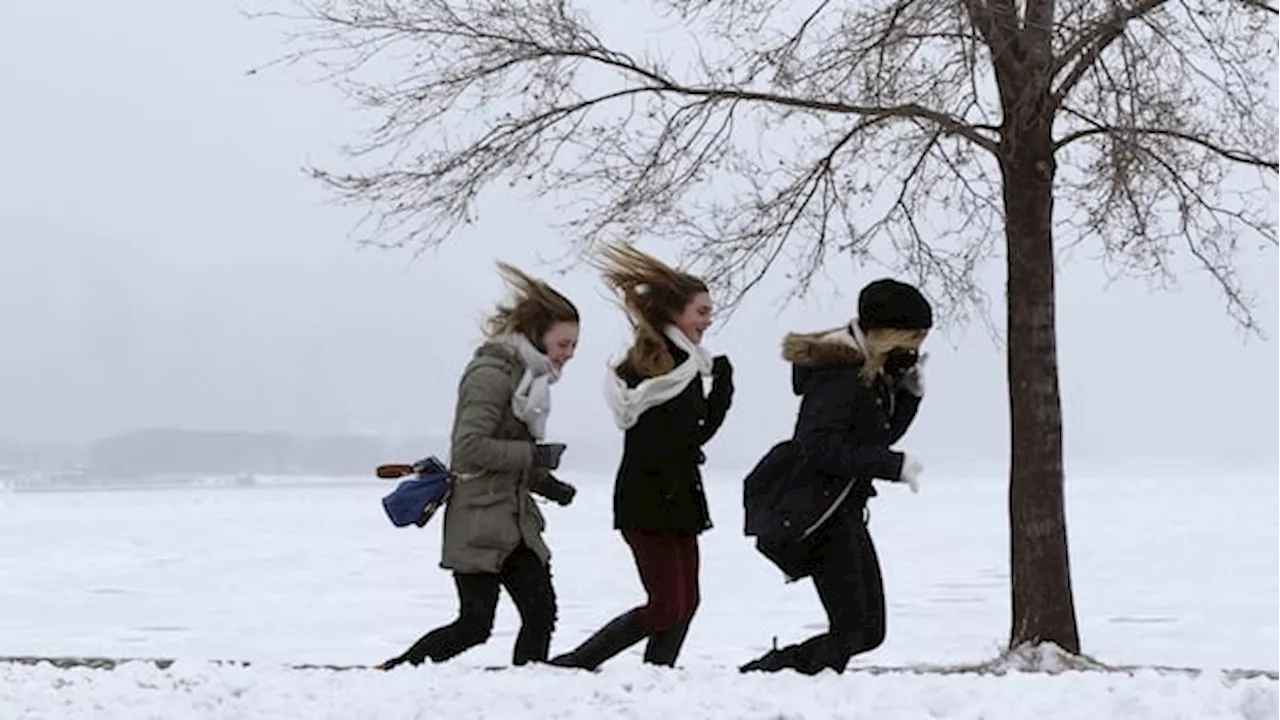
x=527 y=580
x=846 y=573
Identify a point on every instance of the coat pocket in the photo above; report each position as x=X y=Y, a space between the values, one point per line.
x=491 y=520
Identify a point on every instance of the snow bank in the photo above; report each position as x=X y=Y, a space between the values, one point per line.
x=1047 y=658
x=194 y=691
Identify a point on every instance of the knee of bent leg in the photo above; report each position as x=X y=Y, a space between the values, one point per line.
x=665 y=613
x=875 y=636
x=477 y=634
x=691 y=608
x=865 y=639
x=475 y=627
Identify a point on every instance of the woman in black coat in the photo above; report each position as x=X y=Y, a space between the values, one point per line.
x=657 y=398
x=860 y=388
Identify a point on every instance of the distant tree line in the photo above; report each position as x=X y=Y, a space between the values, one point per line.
x=176 y=451
x=164 y=451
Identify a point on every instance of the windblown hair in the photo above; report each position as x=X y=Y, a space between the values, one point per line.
x=531 y=310
x=652 y=293
x=879 y=343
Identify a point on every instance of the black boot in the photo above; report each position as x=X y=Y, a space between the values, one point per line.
x=772 y=661
x=619 y=634
x=664 y=647
x=390 y=664
x=807 y=658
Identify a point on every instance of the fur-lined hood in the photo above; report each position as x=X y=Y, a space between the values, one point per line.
x=816 y=352
x=836 y=346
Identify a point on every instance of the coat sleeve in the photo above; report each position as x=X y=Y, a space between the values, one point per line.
x=825 y=427
x=905 y=407
x=483 y=396
x=718 y=402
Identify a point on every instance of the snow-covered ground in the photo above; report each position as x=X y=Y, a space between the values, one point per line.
x=1171 y=572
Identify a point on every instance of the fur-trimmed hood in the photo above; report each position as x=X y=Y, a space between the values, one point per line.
x=816 y=352
x=820 y=349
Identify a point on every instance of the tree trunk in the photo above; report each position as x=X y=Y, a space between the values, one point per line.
x=1043 y=606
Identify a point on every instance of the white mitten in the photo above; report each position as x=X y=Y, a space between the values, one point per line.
x=911 y=469
x=913 y=379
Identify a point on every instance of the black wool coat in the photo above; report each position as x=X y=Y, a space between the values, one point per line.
x=841 y=443
x=659 y=485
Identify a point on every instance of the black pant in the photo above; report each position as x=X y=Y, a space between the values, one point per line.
x=851 y=589
x=846 y=573
x=527 y=580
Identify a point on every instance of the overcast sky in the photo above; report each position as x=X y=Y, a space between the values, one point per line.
x=164 y=262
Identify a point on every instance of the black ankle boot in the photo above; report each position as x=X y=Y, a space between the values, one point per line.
x=807 y=658
x=619 y=634
x=772 y=661
x=664 y=647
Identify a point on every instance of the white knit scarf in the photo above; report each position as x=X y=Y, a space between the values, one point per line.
x=628 y=404
x=853 y=336
x=850 y=335
x=531 y=402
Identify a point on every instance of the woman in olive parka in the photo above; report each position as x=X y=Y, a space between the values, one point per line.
x=492 y=526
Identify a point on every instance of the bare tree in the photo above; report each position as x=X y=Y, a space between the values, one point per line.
x=908 y=129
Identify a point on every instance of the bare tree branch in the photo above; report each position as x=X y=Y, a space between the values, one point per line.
x=1260 y=5
x=551 y=95
x=1167 y=141
x=1089 y=46
x=1238 y=156
x=788 y=133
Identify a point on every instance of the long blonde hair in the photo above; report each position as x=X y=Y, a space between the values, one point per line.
x=651 y=292
x=532 y=308
x=878 y=343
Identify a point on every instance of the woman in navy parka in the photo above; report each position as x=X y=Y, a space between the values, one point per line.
x=860 y=387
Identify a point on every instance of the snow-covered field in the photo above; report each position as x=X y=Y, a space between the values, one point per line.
x=1170 y=572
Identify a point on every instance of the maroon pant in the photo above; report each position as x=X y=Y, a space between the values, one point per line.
x=668 y=565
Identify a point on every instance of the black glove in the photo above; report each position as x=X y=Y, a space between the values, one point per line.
x=721 y=367
x=546 y=456
x=552 y=488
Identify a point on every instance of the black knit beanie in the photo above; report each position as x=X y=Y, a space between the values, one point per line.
x=891 y=304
